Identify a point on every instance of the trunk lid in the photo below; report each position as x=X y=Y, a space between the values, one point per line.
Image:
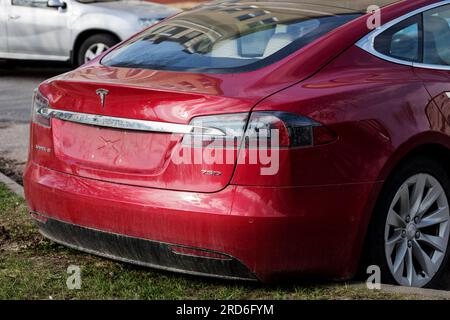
x=129 y=156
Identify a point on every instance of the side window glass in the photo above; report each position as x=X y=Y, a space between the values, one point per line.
x=30 y=3
x=437 y=36
x=402 y=41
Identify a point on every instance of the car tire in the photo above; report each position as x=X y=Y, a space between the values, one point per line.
x=95 y=44
x=407 y=251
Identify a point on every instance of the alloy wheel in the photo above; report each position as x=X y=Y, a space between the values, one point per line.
x=94 y=51
x=417 y=230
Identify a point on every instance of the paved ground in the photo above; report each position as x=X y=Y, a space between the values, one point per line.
x=17 y=85
x=16 y=90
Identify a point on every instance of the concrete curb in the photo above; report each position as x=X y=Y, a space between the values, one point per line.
x=418 y=292
x=12 y=185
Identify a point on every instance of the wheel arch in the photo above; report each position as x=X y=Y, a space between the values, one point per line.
x=435 y=145
x=82 y=36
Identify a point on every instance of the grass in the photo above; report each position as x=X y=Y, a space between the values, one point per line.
x=32 y=267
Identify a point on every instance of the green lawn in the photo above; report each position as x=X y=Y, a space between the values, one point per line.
x=32 y=267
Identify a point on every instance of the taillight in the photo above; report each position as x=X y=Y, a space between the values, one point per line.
x=40 y=103
x=232 y=127
x=265 y=129
x=293 y=130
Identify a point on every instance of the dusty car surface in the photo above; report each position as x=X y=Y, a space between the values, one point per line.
x=349 y=121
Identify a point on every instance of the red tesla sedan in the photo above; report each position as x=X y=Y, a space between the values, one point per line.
x=256 y=140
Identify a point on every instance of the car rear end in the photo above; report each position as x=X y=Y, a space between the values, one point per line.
x=106 y=180
x=156 y=155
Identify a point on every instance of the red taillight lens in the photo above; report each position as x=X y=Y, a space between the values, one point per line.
x=265 y=129
x=292 y=130
x=40 y=103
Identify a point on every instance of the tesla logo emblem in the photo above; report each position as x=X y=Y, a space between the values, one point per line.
x=102 y=93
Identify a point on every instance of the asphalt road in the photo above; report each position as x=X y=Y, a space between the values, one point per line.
x=16 y=91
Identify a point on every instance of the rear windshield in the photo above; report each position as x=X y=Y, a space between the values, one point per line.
x=229 y=36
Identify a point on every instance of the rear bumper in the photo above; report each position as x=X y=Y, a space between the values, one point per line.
x=245 y=232
x=144 y=252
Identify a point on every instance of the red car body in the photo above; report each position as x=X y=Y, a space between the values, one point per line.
x=310 y=218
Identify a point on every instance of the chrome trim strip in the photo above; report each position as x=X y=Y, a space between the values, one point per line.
x=367 y=43
x=126 y=124
x=431 y=66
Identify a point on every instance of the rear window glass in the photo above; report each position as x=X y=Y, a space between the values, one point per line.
x=229 y=36
x=402 y=41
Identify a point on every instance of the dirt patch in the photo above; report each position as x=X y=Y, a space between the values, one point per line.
x=17 y=239
x=4 y=234
x=12 y=169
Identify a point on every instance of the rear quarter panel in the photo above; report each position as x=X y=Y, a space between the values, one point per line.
x=380 y=112
x=374 y=106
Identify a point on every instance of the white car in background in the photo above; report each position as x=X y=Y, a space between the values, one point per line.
x=71 y=30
